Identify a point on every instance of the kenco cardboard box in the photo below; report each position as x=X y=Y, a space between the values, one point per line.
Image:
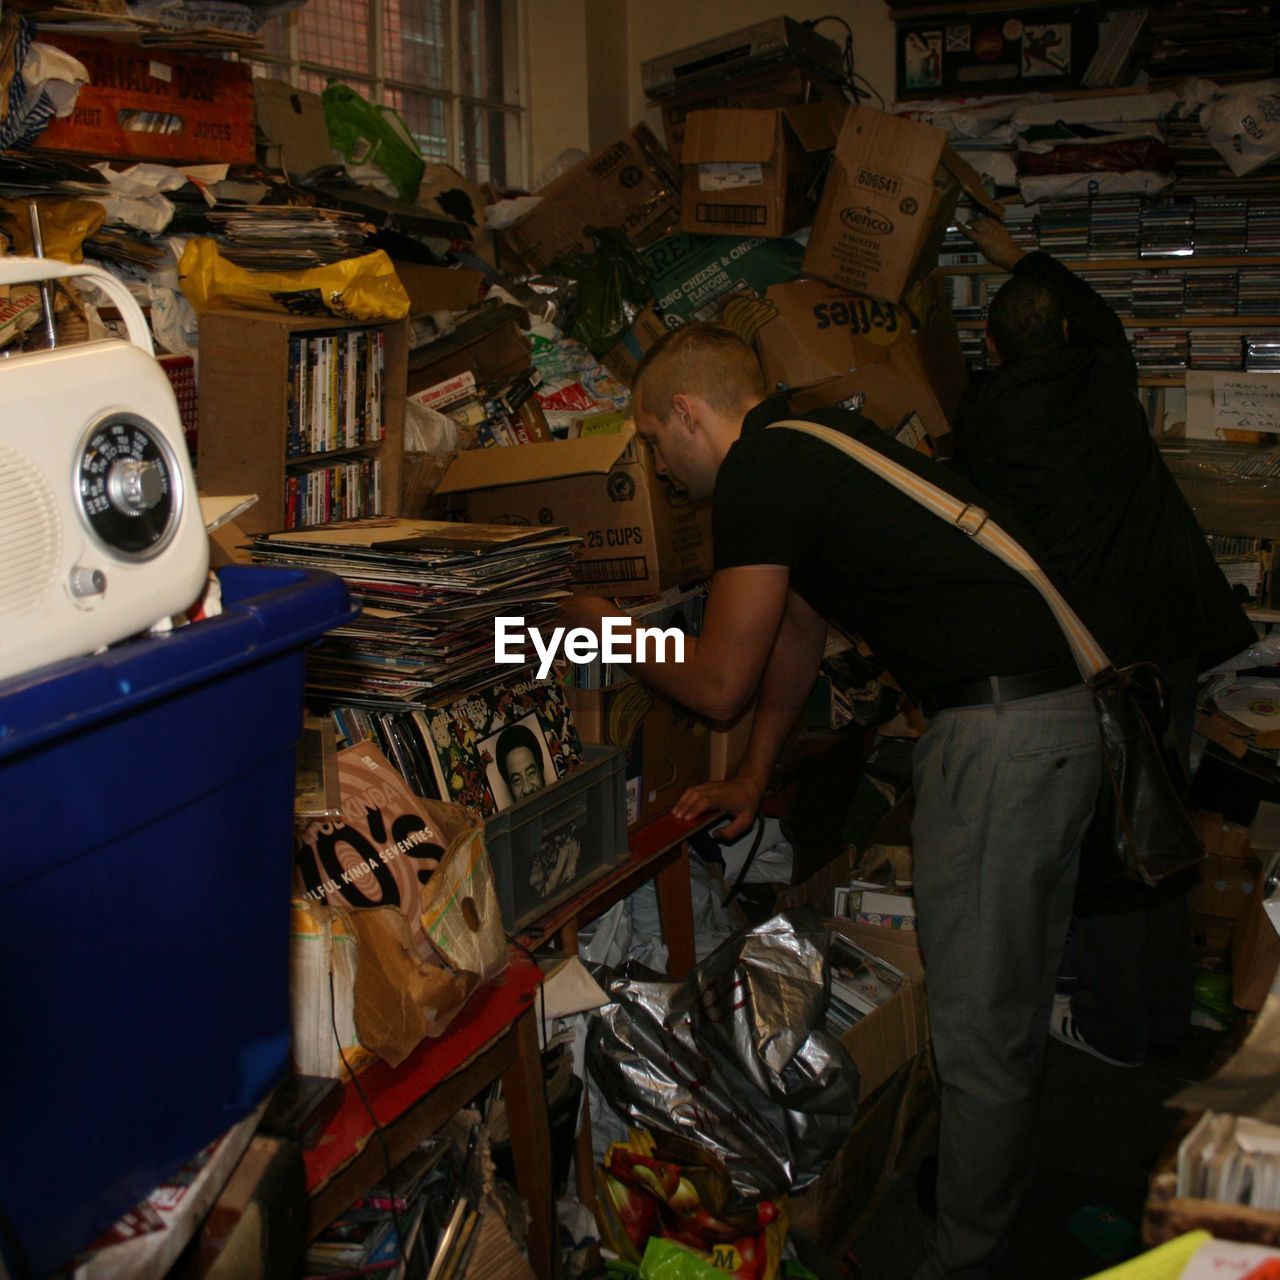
x=631 y=184
x=668 y=746
x=892 y=188
x=753 y=172
x=640 y=534
x=816 y=331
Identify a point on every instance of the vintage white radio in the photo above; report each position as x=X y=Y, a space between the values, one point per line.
x=100 y=527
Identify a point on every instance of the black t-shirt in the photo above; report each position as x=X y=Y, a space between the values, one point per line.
x=936 y=608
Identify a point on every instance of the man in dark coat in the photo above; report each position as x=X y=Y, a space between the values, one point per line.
x=1057 y=437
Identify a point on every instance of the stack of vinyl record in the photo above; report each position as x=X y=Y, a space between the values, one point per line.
x=288 y=237
x=430 y=592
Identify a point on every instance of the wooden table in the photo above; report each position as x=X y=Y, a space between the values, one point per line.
x=658 y=852
x=494 y=1035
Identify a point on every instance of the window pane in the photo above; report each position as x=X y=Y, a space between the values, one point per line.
x=490 y=150
x=427 y=118
x=335 y=33
x=487 y=49
x=315 y=81
x=415 y=42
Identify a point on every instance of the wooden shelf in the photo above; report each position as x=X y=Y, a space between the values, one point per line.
x=1186 y=322
x=1162 y=380
x=1090 y=265
x=244 y=409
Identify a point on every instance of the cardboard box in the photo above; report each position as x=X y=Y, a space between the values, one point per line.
x=1255 y=952
x=1225 y=886
x=492 y=346
x=753 y=171
x=641 y=535
x=211 y=100
x=1232 y=406
x=778 y=87
x=433 y=289
x=815 y=331
x=292 y=135
x=623 y=358
x=1211 y=936
x=693 y=275
x=631 y=184
x=892 y=188
x=668 y=746
x=890 y=1046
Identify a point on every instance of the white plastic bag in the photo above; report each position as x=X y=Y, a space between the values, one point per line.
x=1244 y=126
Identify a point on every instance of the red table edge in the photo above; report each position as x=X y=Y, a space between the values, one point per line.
x=391 y=1091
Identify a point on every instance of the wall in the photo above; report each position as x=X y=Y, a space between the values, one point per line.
x=556 y=78
x=584 y=58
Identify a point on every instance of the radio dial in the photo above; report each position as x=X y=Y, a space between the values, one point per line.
x=134 y=487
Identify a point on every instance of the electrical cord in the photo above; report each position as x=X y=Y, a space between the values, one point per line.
x=857 y=84
x=377 y=1127
x=751 y=857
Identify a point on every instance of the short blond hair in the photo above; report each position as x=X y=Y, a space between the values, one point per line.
x=707 y=360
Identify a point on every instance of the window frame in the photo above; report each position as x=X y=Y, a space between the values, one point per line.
x=374 y=82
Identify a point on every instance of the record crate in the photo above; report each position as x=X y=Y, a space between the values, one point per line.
x=148 y=806
x=548 y=846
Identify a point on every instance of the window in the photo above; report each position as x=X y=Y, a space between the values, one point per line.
x=451 y=68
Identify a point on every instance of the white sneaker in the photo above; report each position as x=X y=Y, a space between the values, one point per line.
x=1062 y=1026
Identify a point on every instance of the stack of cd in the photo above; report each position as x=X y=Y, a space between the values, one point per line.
x=1214 y=349
x=1210 y=293
x=1115 y=288
x=1113 y=227
x=1220 y=225
x=1157 y=296
x=1263 y=225
x=1022 y=223
x=1262 y=354
x=1064 y=228
x=1167 y=230
x=1160 y=351
x=1259 y=291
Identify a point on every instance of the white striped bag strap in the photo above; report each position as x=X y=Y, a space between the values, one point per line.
x=978 y=525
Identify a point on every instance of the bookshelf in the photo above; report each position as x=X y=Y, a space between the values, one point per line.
x=245 y=419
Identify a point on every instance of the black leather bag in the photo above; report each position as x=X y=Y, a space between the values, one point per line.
x=1141 y=829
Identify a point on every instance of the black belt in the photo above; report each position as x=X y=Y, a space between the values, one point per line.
x=983 y=693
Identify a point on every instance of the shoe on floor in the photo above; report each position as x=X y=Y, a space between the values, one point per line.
x=1063 y=1026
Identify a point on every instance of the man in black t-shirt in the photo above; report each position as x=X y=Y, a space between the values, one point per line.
x=1005 y=775
x=1056 y=435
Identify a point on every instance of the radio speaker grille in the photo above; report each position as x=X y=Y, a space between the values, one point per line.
x=30 y=535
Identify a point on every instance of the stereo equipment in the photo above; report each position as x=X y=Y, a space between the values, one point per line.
x=100 y=528
x=739 y=53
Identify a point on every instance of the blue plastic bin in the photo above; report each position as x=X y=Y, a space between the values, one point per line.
x=146 y=798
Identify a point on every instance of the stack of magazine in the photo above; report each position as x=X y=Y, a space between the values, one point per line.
x=860 y=982
x=429 y=591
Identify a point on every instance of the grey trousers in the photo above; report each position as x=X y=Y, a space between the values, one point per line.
x=1003 y=797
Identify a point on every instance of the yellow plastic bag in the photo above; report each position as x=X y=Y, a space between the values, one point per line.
x=365 y=288
x=64 y=226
